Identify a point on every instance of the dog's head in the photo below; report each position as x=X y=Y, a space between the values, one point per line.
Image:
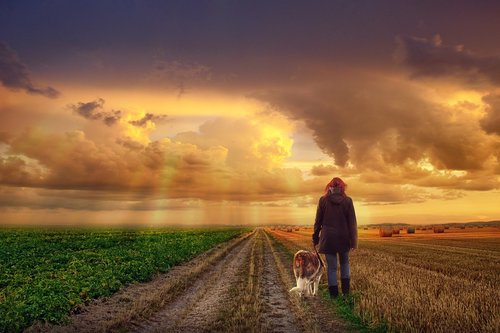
x=306 y=264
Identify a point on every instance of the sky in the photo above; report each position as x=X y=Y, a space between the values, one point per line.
x=240 y=112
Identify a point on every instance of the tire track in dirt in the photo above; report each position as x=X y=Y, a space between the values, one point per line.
x=277 y=313
x=196 y=308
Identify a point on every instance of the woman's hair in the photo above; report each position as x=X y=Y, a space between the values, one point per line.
x=336 y=185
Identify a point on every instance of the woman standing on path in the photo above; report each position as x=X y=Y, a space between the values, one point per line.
x=335 y=229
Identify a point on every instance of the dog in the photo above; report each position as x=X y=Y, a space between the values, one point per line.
x=308 y=269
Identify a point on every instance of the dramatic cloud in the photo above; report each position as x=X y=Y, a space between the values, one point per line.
x=424 y=131
x=374 y=122
x=16 y=171
x=94 y=110
x=148 y=118
x=252 y=145
x=323 y=170
x=432 y=58
x=385 y=135
x=88 y=109
x=15 y=75
x=205 y=164
x=491 y=121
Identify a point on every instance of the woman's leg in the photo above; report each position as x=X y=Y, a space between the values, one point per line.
x=345 y=273
x=333 y=287
x=331 y=260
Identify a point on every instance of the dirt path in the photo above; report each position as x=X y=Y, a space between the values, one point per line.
x=276 y=304
x=238 y=286
x=197 y=307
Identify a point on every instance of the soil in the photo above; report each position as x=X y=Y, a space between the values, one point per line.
x=193 y=297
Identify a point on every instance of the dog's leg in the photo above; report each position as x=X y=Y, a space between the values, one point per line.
x=316 y=285
x=310 y=290
x=294 y=289
x=301 y=286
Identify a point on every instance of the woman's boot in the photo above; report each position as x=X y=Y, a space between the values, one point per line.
x=334 y=291
x=345 y=286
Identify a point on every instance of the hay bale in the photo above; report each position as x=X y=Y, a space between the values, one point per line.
x=395 y=231
x=438 y=229
x=410 y=230
x=385 y=232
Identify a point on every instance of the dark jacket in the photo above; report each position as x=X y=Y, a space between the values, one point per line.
x=335 y=228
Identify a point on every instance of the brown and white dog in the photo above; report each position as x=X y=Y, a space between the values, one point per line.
x=308 y=268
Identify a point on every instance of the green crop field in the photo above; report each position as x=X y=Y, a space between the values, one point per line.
x=44 y=274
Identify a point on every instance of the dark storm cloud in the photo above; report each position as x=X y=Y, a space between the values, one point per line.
x=433 y=58
x=375 y=122
x=94 y=110
x=149 y=117
x=491 y=121
x=14 y=74
x=88 y=109
x=239 y=44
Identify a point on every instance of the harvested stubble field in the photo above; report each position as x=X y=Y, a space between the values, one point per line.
x=424 y=282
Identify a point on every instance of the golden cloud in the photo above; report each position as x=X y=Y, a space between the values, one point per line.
x=227 y=159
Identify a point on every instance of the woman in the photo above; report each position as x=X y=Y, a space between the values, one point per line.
x=335 y=229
